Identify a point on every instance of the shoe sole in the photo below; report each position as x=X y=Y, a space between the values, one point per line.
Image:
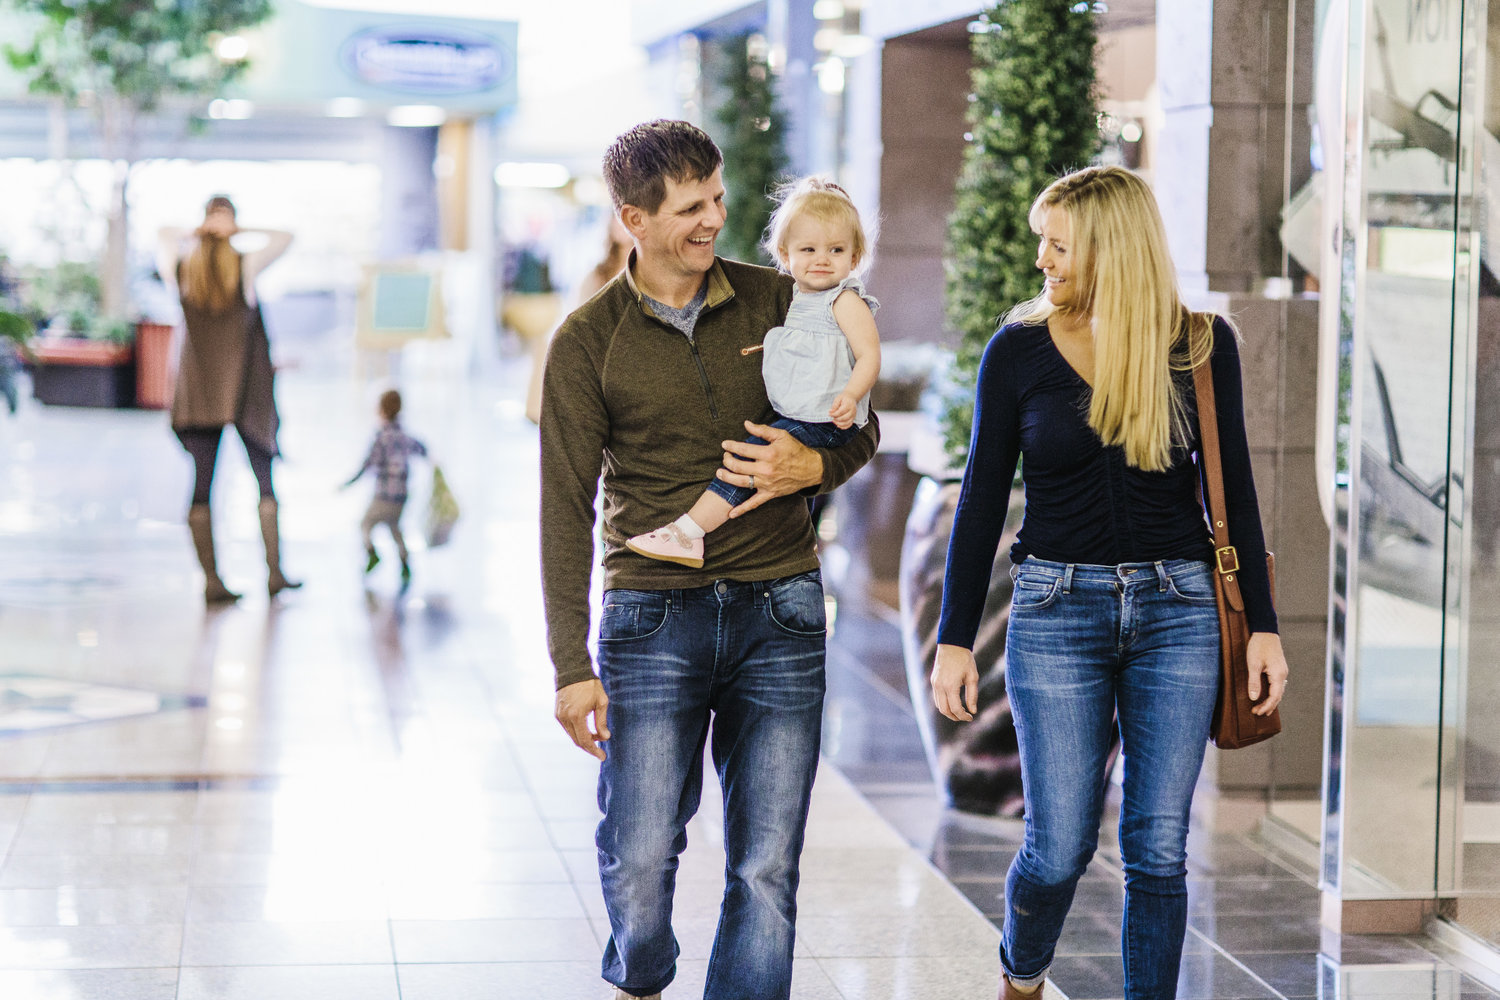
x=679 y=560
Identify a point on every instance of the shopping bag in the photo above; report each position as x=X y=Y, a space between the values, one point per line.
x=442 y=511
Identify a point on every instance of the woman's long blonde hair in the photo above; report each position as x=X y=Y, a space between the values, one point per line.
x=210 y=275
x=1142 y=330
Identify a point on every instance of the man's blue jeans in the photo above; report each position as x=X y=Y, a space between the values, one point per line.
x=748 y=658
x=1085 y=643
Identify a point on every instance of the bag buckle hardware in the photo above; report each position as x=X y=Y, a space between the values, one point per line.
x=1228 y=559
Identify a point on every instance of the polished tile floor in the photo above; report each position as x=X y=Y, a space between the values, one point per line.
x=358 y=792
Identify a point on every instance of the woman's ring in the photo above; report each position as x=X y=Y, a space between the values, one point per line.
x=752 y=482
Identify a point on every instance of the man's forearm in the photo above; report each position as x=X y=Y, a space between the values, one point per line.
x=841 y=463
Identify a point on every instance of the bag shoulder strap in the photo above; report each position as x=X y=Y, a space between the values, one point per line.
x=1226 y=559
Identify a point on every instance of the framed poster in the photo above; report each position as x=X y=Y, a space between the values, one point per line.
x=398 y=303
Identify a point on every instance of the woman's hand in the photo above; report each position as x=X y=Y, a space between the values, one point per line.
x=955 y=683
x=1264 y=656
x=220 y=224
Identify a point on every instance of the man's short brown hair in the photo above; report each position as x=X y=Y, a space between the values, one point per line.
x=390 y=404
x=639 y=163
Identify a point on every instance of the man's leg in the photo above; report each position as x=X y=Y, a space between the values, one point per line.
x=768 y=715
x=656 y=662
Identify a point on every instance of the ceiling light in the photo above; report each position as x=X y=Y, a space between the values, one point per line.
x=853 y=46
x=232 y=48
x=344 y=107
x=537 y=175
x=831 y=75
x=416 y=116
x=234 y=108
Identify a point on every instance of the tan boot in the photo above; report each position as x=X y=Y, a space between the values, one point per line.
x=200 y=524
x=275 y=581
x=1009 y=992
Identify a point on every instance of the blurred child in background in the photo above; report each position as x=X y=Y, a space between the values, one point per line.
x=390 y=458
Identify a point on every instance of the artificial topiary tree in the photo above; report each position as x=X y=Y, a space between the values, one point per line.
x=1032 y=116
x=750 y=128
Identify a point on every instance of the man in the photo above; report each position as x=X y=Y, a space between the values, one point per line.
x=652 y=383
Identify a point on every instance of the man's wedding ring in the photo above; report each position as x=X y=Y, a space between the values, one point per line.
x=752 y=482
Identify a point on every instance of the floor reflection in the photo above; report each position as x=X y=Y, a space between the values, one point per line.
x=1253 y=924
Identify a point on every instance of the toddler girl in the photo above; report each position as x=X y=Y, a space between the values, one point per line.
x=818 y=367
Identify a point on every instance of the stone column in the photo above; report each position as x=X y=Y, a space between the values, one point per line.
x=408 y=192
x=1235 y=79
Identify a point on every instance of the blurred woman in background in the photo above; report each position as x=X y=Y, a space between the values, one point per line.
x=224 y=373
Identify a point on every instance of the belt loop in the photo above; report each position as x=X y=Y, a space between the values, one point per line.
x=1161 y=576
x=1068 y=579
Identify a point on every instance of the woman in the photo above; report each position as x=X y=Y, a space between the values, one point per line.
x=224 y=374
x=1113 y=609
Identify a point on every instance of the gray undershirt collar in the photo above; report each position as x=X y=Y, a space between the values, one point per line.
x=684 y=319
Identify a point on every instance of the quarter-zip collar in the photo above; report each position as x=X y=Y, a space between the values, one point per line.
x=719 y=289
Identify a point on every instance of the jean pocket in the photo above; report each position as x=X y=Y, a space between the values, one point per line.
x=1034 y=592
x=631 y=614
x=1193 y=587
x=795 y=605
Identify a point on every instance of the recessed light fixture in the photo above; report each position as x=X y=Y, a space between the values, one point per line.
x=537 y=175
x=416 y=116
x=232 y=48
x=345 y=107
x=234 y=108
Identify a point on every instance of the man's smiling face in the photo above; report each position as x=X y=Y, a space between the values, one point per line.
x=678 y=238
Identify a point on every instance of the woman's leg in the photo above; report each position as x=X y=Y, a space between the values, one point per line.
x=1060 y=666
x=260 y=464
x=202 y=445
x=1166 y=695
x=270 y=528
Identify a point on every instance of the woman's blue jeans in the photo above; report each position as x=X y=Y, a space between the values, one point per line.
x=738 y=666
x=1085 y=644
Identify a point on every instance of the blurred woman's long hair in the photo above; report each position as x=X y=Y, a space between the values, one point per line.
x=210 y=277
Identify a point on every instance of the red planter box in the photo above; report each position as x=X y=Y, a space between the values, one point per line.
x=76 y=372
x=153 y=366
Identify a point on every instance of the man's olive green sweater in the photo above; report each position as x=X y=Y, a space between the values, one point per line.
x=631 y=399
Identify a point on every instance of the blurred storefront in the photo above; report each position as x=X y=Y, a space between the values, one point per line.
x=372 y=136
x=1326 y=171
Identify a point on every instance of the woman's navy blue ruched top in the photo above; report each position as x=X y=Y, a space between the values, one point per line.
x=1083 y=503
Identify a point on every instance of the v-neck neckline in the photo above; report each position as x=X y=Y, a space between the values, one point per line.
x=1057 y=350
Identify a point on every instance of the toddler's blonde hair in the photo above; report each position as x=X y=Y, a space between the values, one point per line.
x=823 y=200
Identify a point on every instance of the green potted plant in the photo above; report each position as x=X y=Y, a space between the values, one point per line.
x=83 y=357
x=1032 y=116
x=123 y=62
